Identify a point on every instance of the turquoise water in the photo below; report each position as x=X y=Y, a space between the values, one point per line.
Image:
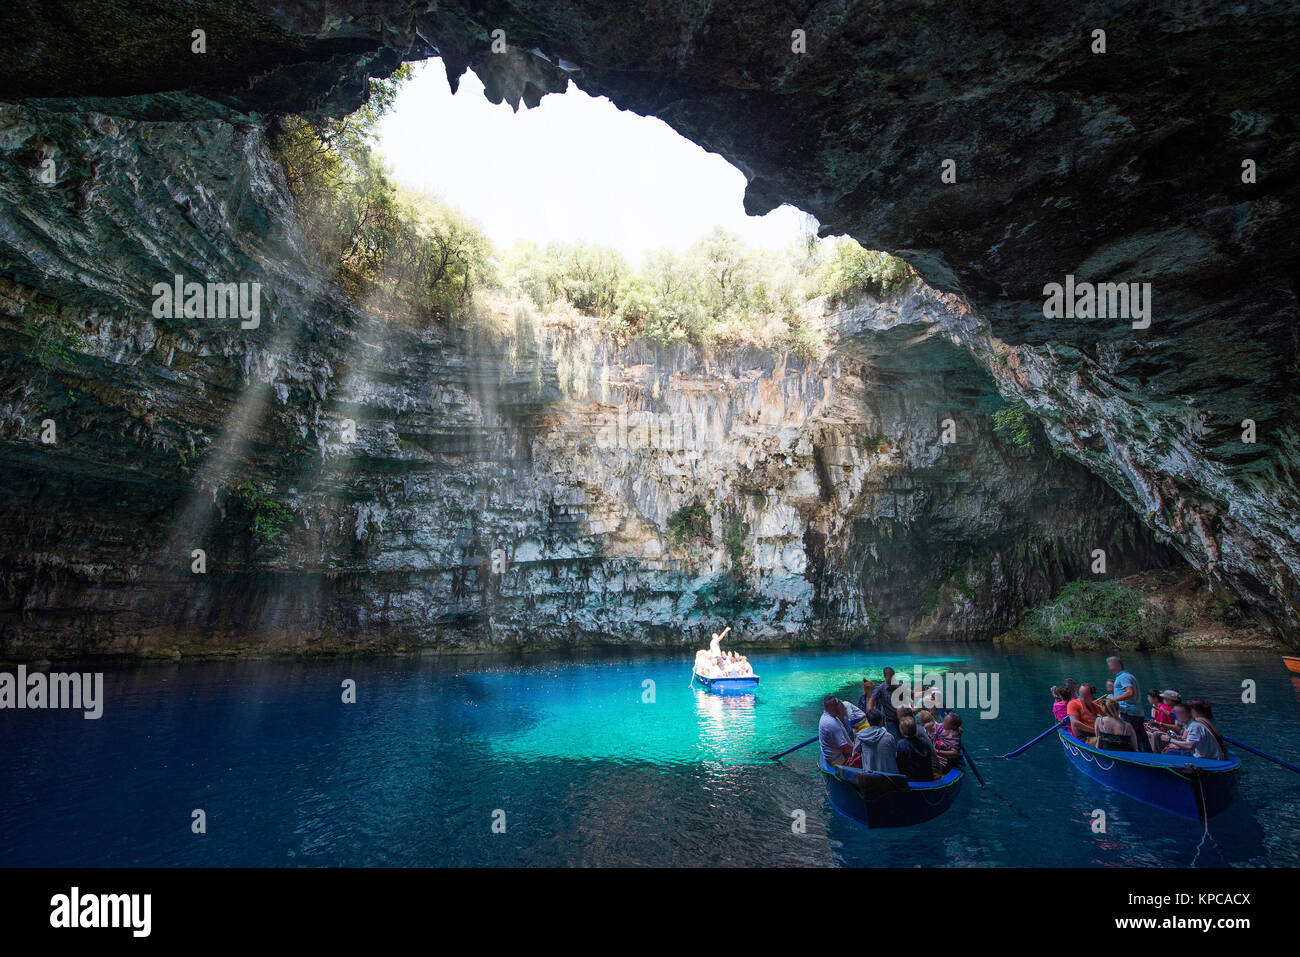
x=590 y=765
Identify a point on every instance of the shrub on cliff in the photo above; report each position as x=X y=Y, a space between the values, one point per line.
x=420 y=256
x=849 y=269
x=1096 y=614
x=266 y=517
x=690 y=522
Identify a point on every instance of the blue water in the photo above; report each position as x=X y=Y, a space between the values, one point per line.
x=589 y=767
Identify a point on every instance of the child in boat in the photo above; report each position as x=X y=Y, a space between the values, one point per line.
x=1162 y=709
x=1162 y=721
x=1060 y=707
x=947 y=742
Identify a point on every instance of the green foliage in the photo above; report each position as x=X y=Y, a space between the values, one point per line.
x=1096 y=614
x=53 y=339
x=1013 y=422
x=690 y=522
x=718 y=290
x=584 y=275
x=381 y=241
x=850 y=269
x=267 y=517
x=410 y=255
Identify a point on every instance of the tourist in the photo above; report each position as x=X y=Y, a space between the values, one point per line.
x=1061 y=706
x=882 y=697
x=947 y=742
x=875 y=746
x=1083 y=712
x=913 y=754
x=864 y=699
x=1128 y=696
x=833 y=733
x=715 y=644
x=1198 y=734
x=1113 y=732
x=1161 y=713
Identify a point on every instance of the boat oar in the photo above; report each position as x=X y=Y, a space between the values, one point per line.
x=1025 y=747
x=777 y=757
x=971 y=761
x=1266 y=757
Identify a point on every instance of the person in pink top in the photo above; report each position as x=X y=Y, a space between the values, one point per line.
x=1060 y=707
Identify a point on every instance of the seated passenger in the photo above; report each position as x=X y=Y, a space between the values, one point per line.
x=1061 y=704
x=913 y=754
x=1113 y=732
x=703 y=666
x=947 y=743
x=833 y=733
x=1199 y=735
x=875 y=746
x=1083 y=712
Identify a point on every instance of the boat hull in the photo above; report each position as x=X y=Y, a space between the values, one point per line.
x=745 y=685
x=886 y=800
x=1192 y=788
x=1292 y=664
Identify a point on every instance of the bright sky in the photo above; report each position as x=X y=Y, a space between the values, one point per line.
x=576 y=167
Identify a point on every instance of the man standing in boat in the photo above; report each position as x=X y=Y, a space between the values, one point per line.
x=1128 y=696
x=715 y=644
x=883 y=698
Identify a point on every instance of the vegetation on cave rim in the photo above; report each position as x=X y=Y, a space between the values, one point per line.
x=1095 y=614
x=409 y=255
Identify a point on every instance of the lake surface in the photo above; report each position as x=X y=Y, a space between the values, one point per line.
x=588 y=771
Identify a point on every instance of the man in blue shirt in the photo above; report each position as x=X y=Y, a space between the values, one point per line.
x=1129 y=697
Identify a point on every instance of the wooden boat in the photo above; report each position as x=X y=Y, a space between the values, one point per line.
x=1193 y=788
x=1292 y=664
x=747 y=684
x=888 y=800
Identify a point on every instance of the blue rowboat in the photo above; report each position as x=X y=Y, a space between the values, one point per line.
x=888 y=800
x=1194 y=788
x=745 y=685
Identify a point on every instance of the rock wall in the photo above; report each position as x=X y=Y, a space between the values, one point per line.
x=1171 y=158
x=825 y=505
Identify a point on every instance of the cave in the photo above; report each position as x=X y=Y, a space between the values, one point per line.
x=346 y=538
x=1181 y=433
